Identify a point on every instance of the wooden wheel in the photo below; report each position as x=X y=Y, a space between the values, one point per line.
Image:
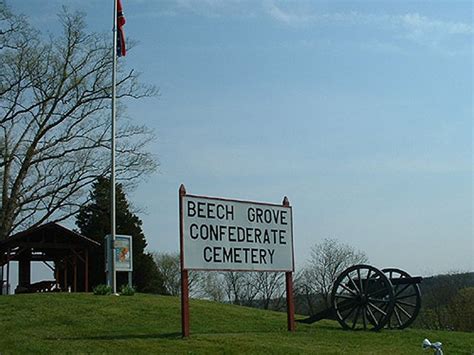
x=407 y=299
x=362 y=298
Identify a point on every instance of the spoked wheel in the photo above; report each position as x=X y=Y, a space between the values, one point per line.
x=362 y=298
x=407 y=299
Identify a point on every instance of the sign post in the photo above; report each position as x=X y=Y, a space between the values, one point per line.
x=290 y=305
x=232 y=235
x=184 y=272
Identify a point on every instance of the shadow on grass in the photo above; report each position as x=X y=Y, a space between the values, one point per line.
x=174 y=335
x=170 y=336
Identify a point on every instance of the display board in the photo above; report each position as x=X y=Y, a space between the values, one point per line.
x=122 y=252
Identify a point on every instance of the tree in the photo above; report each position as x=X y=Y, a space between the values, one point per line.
x=446 y=301
x=169 y=267
x=210 y=286
x=328 y=259
x=269 y=287
x=93 y=221
x=55 y=99
x=239 y=288
x=461 y=310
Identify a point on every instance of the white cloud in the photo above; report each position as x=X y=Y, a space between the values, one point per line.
x=301 y=13
x=286 y=17
x=397 y=29
x=204 y=8
x=408 y=165
x=413 y=27
x=415 y=22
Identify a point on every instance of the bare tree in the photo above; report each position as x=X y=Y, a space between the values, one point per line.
x=239 y=287
x=55 y=99
x=169 y=266
x=328 y=259
x=210 y=286
x=306 y=302
x=270 y=289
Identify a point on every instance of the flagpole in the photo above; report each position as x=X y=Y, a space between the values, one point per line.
x=113 y=282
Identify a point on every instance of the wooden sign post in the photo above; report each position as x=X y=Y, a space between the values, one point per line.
x=231 y=235
x=184 y=272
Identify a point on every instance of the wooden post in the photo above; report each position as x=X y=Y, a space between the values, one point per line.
x=65 y=275
x=24 y=268
x=75 y=273
x=86 y=272
x=8 y=273
x=56 y=273
x=290 y=305
x=184 y=273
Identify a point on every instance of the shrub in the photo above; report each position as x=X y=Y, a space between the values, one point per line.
x=102 y=290
x=127 y=290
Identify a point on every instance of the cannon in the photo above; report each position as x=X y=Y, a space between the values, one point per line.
x=366 y=298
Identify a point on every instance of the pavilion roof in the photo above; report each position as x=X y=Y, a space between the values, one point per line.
x=47 y=236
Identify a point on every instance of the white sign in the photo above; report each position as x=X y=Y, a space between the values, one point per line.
x=223 y=234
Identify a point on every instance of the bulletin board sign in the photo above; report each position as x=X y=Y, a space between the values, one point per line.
x=122 y=252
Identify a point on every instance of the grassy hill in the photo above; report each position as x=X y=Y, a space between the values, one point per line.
x=83 y=323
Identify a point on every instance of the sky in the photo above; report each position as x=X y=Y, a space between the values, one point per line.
x=359 y=111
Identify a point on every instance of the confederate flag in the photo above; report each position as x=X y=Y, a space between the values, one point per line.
x=121 y=50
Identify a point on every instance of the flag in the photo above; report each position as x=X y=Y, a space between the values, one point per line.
x=121 y=50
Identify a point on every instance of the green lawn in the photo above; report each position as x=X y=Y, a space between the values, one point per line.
x=83 y=323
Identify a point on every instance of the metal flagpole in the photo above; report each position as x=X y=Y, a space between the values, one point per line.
x=112 y=173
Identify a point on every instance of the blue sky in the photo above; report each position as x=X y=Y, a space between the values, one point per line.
x=359 y=111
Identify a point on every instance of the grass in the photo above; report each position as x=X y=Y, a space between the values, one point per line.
x=84 y=323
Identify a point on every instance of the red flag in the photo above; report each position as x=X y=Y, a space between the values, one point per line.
x=121 y=50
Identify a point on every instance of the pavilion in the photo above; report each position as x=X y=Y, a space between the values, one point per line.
x=64 y=251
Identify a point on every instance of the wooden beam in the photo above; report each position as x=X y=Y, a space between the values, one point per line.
x=86 y=274
x=78 y=255
x=75 y=273
x=49 y=245
x=16 y=254
x=56 y=273
x=8 y=275
x=65 y=276
x=44 y=262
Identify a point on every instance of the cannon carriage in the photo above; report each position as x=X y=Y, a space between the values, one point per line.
x=366 y=298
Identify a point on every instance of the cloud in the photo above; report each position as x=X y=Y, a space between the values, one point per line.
x=202 y=8
x=412 y=27
x=398 y=30
x=301 y=13
x=410 y=21
x=415 y=22
x=408 y=165
x=286 y=17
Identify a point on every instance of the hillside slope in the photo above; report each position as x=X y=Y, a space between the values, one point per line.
x=58 y=323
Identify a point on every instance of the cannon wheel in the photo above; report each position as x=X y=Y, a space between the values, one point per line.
x=407 y=300
x=362 y=298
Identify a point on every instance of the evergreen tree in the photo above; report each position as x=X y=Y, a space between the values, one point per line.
x=93 y=221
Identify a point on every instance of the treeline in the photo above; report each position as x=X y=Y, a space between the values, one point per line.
x=312 y=283
x=447 y=302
